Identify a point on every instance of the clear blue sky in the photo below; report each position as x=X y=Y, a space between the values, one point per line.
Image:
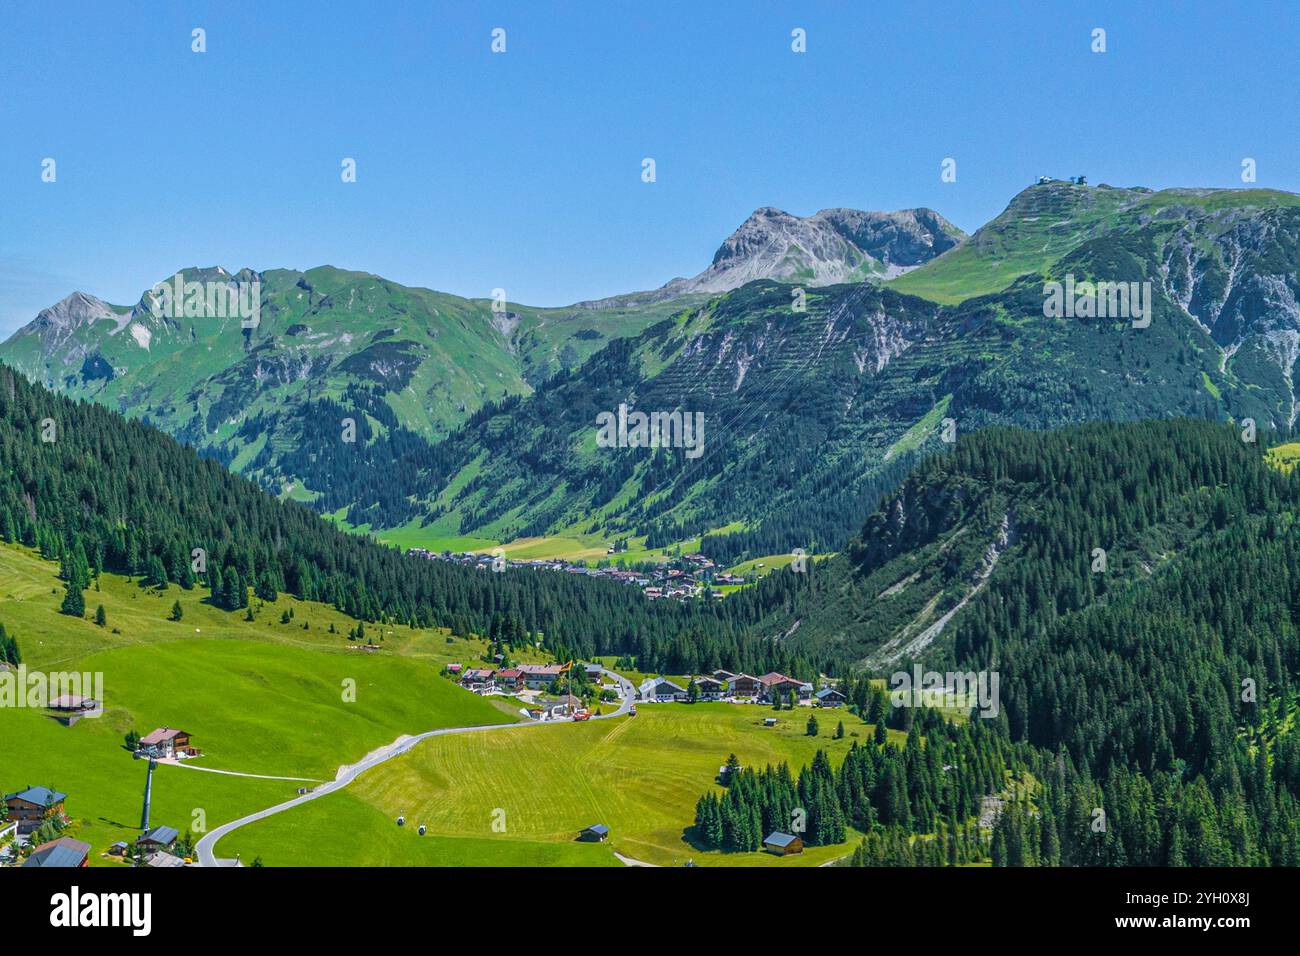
x=522 y=170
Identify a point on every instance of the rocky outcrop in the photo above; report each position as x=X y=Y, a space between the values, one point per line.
x=832 y=246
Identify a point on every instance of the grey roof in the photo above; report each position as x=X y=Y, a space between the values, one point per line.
x=161 y=859
x=41 y=796
x=63 y=852
x=164 y=835
x=598 y=828
x=780 y=839
x=827 y=691
x=660 y=681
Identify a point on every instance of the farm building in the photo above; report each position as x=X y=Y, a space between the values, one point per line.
x=540 y=676
x=660 y=689
x=742 y=685
x=596 y=833
x=780 y=685
x=63 y=852
x=710 y=689
x=830 y=697
x=31 y=807
x=70 y=708
x=783 y=844
x=73 y=702
x=159 y=838
x=554 y=709
x=478 y=679
x=168 y=742
x=510 y=680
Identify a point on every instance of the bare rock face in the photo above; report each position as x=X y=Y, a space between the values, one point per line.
x=1235 y=274
x=832 y=246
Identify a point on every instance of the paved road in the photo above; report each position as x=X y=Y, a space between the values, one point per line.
x=208 y=841
x=236 y=773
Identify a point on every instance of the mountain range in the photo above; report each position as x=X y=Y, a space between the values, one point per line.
x=825 y=354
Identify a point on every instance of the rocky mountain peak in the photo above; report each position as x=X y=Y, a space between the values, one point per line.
x=76 y=311
x=833 y=245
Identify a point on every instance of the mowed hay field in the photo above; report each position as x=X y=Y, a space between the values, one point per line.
x=342 y=829
x=641 y=776
x=259 y=697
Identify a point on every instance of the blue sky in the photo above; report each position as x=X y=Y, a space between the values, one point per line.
x=522 y=170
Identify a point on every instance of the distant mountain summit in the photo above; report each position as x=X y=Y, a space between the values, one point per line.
x=834 y=245
x=56 y=327
x=826 y=248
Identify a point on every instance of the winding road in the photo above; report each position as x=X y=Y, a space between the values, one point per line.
x=206 y=844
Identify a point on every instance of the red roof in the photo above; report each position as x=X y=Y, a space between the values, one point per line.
x=767 y=680
x=510 y=673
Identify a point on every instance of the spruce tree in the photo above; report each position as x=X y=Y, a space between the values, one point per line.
x=74 y=605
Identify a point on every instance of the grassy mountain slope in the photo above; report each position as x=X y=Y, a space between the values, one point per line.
x=260 y=697
x=433 y=358
x=1045 y=222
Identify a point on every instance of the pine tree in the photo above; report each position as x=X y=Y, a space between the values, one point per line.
x=74 y=605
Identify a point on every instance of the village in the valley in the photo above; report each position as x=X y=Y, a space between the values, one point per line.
x=551 y=691
x=690 y=576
